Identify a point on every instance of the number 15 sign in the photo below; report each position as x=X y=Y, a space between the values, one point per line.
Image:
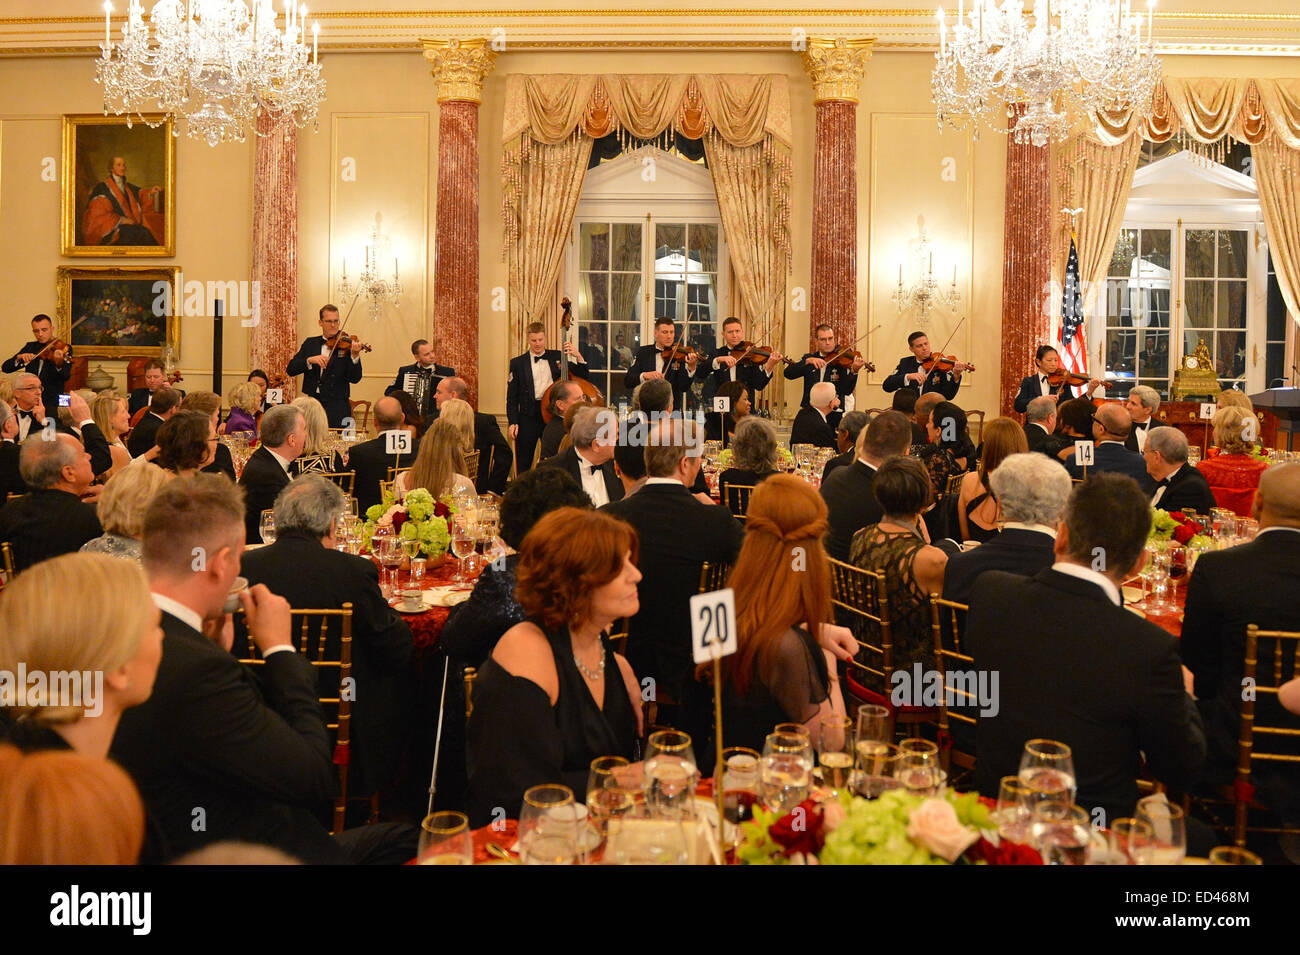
x=713 y=625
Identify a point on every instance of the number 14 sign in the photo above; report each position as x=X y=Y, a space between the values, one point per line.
x=713 y=625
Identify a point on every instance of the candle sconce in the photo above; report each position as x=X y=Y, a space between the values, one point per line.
x=379 y=287
x=924 y=294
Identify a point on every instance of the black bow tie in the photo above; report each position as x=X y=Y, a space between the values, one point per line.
x=1141 y=425
x=591 y=468
x=537 y=358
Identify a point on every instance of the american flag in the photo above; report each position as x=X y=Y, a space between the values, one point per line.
x=1074 y=348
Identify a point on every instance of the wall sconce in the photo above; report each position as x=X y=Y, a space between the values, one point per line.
x=379 y=287
x=925 y=294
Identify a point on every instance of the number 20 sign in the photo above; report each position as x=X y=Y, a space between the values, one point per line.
x=713 y=625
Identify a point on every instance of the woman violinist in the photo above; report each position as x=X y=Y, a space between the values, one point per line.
x=1051 y=380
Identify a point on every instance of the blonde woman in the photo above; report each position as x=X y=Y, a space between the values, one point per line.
x=439 y=465
x=110 y=414
x=121 y=510
x=1232 y=398
x=1233 y=474
x=457 y=413
x=245 y=406
x=316 y=456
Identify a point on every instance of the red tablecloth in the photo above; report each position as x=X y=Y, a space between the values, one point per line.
x=426 y=627
x=1172 y=621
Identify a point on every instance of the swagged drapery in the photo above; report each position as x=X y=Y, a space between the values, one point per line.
x=550 y=123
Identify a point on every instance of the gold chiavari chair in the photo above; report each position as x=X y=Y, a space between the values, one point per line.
x=956 y=668
x=7 y=559
x=976 y=431
x=13 y=496
x=343 y=479
x=471 y=674
x=1270 y=736
x=312 y=638
x=736 y=498
x=713 y=576
x=360 y=415
x=954 y=485
x=471 y=464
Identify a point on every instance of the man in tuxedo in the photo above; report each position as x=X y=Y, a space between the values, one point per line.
x=328 y=373
x=590 y=459
x=650 y=364
x=30 y=418
x=51 y=518
x=565 y=396
x=678 y=533
x=29 y=408
x=304 y=567
x=815 y=424
x=850 y=500
x=1251 y=583
x=424 y=377
x=284 y=435
x=1110 y=427
x=494 y=455
x=155 y=377
x=1040 y=421
x=909 y=373
x=11 y=479
x=54 y=366
x=250 y=759
x=1073 y=665
x=1179 y=485
x=846 y=440
x=370 y=460
x=530 y=375
x=164 y=403
x=812 y=368
x=1032 y=491
x=1142 y=404
x=722 y=367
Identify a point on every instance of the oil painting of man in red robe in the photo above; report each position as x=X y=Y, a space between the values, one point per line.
x=122 y=213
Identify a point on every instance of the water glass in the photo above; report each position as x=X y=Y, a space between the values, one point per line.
x=1128 y=840
x=875 y=764
x=548 y=826
x=1231 y=855
x=741 y=783
x=1169 y=831
x=606 y=796
x=418 y=565
x=670 y=774
x=445 y=839
x=1061 y=833
x=629 y=844
x=463 y=530
x=786 y=773
x=1015 y=810
x=1047 y=768
x=918 y=769
x=268 y=526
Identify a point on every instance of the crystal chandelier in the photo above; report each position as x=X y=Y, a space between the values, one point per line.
x=1076 y=57
x=215 y=63
x=926 y=294
x=375 y=283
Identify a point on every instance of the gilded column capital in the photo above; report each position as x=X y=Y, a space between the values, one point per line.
x=460 y=66
x=836 y=67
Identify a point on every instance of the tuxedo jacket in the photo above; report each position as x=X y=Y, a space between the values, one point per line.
x=753 y=376
x=301 y=570
x=46 y=523
x=254 y=759
x=335 y=382
x=437 y=373
x=647 y=359
x=1186 y=488
x=262 y=480
x=1254 y=583
x=1131 y=442
x=568 y=460
x=370 y=462
x=810 y=428
x=852 y=505
x=678 y=533
x=1014 y=550
x=843 y=379
x=494 y=454
x=520 y=403
x=552 y=435
x=143 y=435
x=1092 y=675
x=54 y=378
x=1031 y=388
x=943 y=382
x=1113 y=456
x=11 y=480
x=1036 y=436
x=839 y=461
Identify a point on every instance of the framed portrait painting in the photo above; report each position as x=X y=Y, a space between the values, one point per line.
x=119 y=185
x=118 y=311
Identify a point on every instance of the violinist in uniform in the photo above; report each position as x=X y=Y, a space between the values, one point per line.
x=1039 y=385
x=813 y=368
x=910 y=374
x=650 y=364
x=329 y=368
x=722 y=366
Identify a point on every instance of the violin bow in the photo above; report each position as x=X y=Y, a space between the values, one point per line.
x=954 y=332
x=50 y=343
x=339 y=337
x=849 y=347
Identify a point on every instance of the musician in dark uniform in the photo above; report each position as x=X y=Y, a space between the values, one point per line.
x=428 y=373
x=910 y=374
x=812 y=368
x=53 y=367
x=328 y=373
x=722 y=367
x=1036 y=386
x=649 y=364
x=530 y=375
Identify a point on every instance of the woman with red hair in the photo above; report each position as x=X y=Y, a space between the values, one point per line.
x=553 y=696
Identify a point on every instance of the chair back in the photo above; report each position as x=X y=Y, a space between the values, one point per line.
x=618 y=635
x=858 y=597
x=7 y=561
x=471 y=465
x=954 y=485
x=343 y=479
x=360 y=415
x=976 y=430
x=956 y=668
x=1268 y=733
x=471 y=674
x=13 y=496
x=328 y=648
x=736 y=498
x=713 y=576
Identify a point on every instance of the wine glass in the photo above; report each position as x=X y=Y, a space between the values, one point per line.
x=445 y=839
x=835 y=750
x=740 y=785
x=1160 y=565
x=792 y=729
x=390 y=556
x=1047 y=768
x=876 y=763
x=1061 y=833
x=463 y=530
x=1129 y=838
x=918 y=769
x=786 y=773
x=1231 y=855
x=548 y=826
x=873 y=723
x=410 y=547
x=268 y=526
x=1178 y=566
x=670 y=772
x=1168 y=828
x=605 y=796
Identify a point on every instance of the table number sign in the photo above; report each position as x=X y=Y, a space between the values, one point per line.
x=397 y=441
x=1084 y=453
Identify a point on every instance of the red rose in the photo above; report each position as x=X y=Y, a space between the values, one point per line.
x=399 y=519
x=440 y=509
x=1005 y=853
x=1185 y=532
x=1179 y=516
x=799 y=830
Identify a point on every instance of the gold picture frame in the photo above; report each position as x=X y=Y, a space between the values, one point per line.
x=94 y=203
x=113 y=311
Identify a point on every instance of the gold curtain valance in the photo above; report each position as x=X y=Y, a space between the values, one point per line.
x=1209 y=110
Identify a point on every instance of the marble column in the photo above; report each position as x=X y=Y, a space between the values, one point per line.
x=273 y=335
x=835 y=68
x=1027 y=263
x=459 y=67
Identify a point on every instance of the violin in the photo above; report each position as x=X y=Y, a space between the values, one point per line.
x=758 y=355
x=846 y=358
x=939 y=362
x=344 y=341
x=1073 y=379
x=58 y=344
x=681 y=352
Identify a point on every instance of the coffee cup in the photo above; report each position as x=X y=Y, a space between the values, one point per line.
x=412 y=600
x=232 y=599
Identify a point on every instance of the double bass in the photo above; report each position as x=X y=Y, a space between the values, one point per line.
x=589 y=390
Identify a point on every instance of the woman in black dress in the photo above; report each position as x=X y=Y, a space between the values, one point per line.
x=553 y=696
x=720 y=426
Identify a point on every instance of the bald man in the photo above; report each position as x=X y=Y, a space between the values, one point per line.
x=1111 y=424
x=1254 y=583
x=371 y=460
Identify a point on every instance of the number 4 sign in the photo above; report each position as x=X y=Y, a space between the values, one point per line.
x=713 y=625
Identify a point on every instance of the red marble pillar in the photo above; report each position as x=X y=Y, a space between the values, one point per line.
x=273 y=330
x=1027 y=264
x=459 y=66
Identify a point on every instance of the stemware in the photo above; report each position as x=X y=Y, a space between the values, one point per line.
x=918 y=769
x=740 y=784
x=786 y=773
x=1231 y=855
x=389 y=553
x=267 y=526
x=1015 y=810
x=1168 y=844
x=1061 y=833
x=1129 y=839
x=1179 y=566
x=670 y=773
x=1047 y=768
x=606 y=797
x=463 y=530
x=548 y=826
x=445 y=840
x=630 y=843
x=873 y=724
x=835 y=751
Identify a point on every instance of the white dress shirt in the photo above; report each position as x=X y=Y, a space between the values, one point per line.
x=1043 y=387
x=25 y=422
x=1140 y=431
x=593 y=482
x=1093 y=577
x=1036 y=528
x=541 y=374
x=1164 y=485
x=284 y=462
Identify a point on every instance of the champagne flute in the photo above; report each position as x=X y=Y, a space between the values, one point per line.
x=605 y=798
x=1015 y=810
x=786 y=771
x=873 y=723
x=1169 y=831
x=268 y=526
x=445 y=840
x=462 y=543
x=548 y=826
x=1047 y=768
x=1061 y=833
x=835 y=750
